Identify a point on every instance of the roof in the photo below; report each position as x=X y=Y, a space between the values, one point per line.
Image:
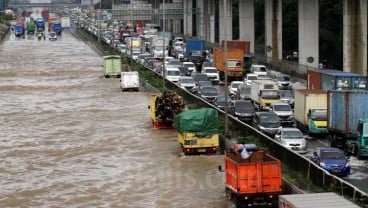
x=325 y=200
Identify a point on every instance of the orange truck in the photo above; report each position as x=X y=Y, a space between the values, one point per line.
x=254 y=180
x=242 y=45
x=49 y=21
x=234 y=62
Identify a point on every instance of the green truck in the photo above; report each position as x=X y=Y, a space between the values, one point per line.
x=31 y=27
x=112 y=66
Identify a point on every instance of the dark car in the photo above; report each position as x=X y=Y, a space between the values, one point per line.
x=267 y=122
x=202 y=84
x=287 y=96
x=184 y=71
x=243 y=110
x=209 y=93
x=220 y=102
x=199 y=77
x=333 y=160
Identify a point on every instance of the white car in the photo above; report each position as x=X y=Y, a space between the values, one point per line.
x=190 y=65
x=233 y=87
x=293 y=139
x=258 y=69
x=212 y=74
x=283 y=81
x=172 y=74
x=187 y=83
x=250 y=77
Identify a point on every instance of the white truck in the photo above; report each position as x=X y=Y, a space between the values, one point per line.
x=129 y=80
x=133 y=43
x=158 y=46
x=65 y=22
x=264 y=93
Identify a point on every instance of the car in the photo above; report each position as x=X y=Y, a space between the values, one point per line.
x=142 y=56
x=174 y=63
x=190 y=65
x=184 y=71
x=220 y=102
x=250 y=77
x=267 y=122
x=284 y=112
x=147 y=61
x=233 y=87
x=52 y=36
x=168 y=59
x=187 y=83
x=203 y=83
x=287 y=96
x=259 y=69
x=212 y=74
x=284 y=81
x=206 y=64
x=199 y=77
x=243 y=92
x=209 y=93
x=333 y=160
x=293 y=139
x=243 y=110
x=172 y=73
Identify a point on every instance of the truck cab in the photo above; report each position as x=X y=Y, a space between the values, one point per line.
x=358 y=145
x=317 y=121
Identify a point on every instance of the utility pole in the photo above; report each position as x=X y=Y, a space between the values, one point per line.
x=225 y=72
x=164 y=49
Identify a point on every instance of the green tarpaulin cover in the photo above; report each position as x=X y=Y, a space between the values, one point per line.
x=203 y=122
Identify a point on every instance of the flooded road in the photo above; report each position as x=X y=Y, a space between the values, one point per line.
x=69 y=138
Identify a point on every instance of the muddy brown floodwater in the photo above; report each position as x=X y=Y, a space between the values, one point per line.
x=70 y=138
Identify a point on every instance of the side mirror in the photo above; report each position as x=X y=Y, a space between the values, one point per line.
x=220 y=168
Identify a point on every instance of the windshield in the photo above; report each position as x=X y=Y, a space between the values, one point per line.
x=282 y=108
x=211 y=90
x=159 y=48
x=252 y=78
x=260 y=69
x=173 y=73
x=332 y=155
x=319 y=115
x=211 y=71
x=231 y=63
x=268 y=118
x=245 y=90
x=283 y=78
x=189 y=65
x=270 y=94
x=187 y=80
x=292 y=134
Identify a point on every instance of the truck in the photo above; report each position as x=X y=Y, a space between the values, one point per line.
x=45 y=14
x=264 y=93
x=31 y=27
x=40 y=24
x=49 y=21
x=310 y=111
x=163 y=108
x=65 y=22
x=129 y=80
x=158 y=45
x=112 y=66
x=56 y=26
x=19 y=29
x=325 y=200
x=245 y=47
x=347 y=121
x=194 y=51
x=234 y=63
x=256 y=180
x=198 y=130
x=133 y=43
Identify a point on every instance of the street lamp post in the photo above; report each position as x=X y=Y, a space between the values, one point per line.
x=99 y=19
x=225 y=72
x=164 y=49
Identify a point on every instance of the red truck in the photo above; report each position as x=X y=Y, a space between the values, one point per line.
x=254 y=180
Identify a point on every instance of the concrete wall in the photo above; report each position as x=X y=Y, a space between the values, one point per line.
x=225 y=20
x=188 y=18
x=273 y=23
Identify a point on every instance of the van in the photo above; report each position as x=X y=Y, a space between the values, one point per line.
x=258 y=69
x=129 y=81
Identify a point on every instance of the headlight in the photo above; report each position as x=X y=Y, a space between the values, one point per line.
x=322 y=164
x=347 y=165
x=262 y=128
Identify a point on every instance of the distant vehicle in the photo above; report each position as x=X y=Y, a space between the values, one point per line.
x=52 y=36
x=184 y=71
x=220 y=102
x=267 y=122
x=243 y=110
x=284 y=81
x=190 y=65
x=284 y=112
x=112 y=66
x=287 y=96
x=142 y=56
x=187 y=83
x=31 y=27
x=174 y=63
x=293 y=139
x=212 y=74
x=209 y=93
x=333 y=160
x=250 y=77
x=40 y=24
x=199 y=77
x=129 y=81
x=172 y=73
x=243 y=92
x=259 y=69
x=233 y=87
x=206 y=64
x=203 y=83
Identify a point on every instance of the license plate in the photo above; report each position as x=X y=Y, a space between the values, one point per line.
x=201 y=150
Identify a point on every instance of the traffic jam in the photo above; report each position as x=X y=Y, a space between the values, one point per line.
x=322 y=118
